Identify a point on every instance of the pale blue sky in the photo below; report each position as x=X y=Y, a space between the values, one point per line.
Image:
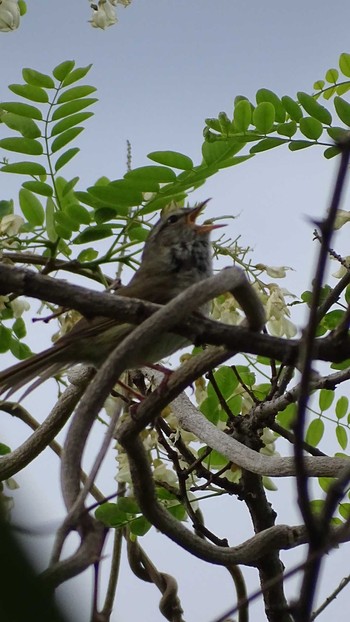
x=160 y=72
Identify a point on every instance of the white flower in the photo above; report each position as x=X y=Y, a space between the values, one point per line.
x=341 y=218
x=343 y=269
x=123 y=2
x=11 y=224
x=281 y=327
x=162 y=474
x=278 y=313
x=19 y=306
x=225 y=309
x=275 y=272
x=9 y=15
x=103 y=15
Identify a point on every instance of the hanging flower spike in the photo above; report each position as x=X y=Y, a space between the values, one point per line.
x=9 y=15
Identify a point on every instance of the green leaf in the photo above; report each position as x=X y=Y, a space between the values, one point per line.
x=343 y=109
x=65 y=138
x=314 y=109
x=63 y=69
x=330 y=152
x=160 y=202
x=247 y=376
x=215 y=460
x=311 y=127
x=292 y=108
x=341 y=407
x=88 y=199
x=267 y=143
x=22 y=145
x=318 y=86
x=62 y=231
x=33 y=93
x=242 y=115
x=78 y=213
x=210 y=409
x=6 y=207
x=337 y=133
x=286 y=417
x=111 y=515
x=39 y=187
x=325 y=483
x=344 y=510
x=104 y=214
x=23 y=110
x=31 y=207
x=263 y=117
x=70 y=121
x=226 y=381
x=315 y=432
x=24 y=168
x=50 y=220
x=235 y=405
x=5 y=338
x=66 y=157
x=265 y=95
x=92 y=234
x=316 y=506
x=26 y=126
x=117 y=194
x=343 y=88
x=219 y=151
x=19 y=328
x=64 y=220
x=344 y=64
x=35 y=78
x=72 y=107
x=138 y=234
x=328 y=93
x=213 y=124
x=20 y=350
x=332 y=75
x=139 y=526
x=128 y=505
x=68 y=187
x=333 y=318
x=4 y=449
x=87 y=255
x=225 y=123
x=77 y=92
x=75 y=75
x=171 y=158
x=287 y=129
x=296 y=145
x=325 y=399
x=158 y=174
x=342 y=436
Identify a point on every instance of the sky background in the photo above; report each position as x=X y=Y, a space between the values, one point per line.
x=165 y=67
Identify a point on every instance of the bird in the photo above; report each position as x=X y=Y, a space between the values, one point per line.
x=176 y=254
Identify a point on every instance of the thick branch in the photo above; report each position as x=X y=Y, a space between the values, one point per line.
x=91 y=303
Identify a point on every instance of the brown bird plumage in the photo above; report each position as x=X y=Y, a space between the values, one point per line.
x=177 y=254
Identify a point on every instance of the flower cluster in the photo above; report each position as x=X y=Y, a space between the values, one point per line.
x=104 y=14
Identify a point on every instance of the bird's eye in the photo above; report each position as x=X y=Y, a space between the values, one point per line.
x=173 y=218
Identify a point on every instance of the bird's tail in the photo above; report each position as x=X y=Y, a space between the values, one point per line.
x=45 y=364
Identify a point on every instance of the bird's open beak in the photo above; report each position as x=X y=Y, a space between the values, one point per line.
x=194 y=213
